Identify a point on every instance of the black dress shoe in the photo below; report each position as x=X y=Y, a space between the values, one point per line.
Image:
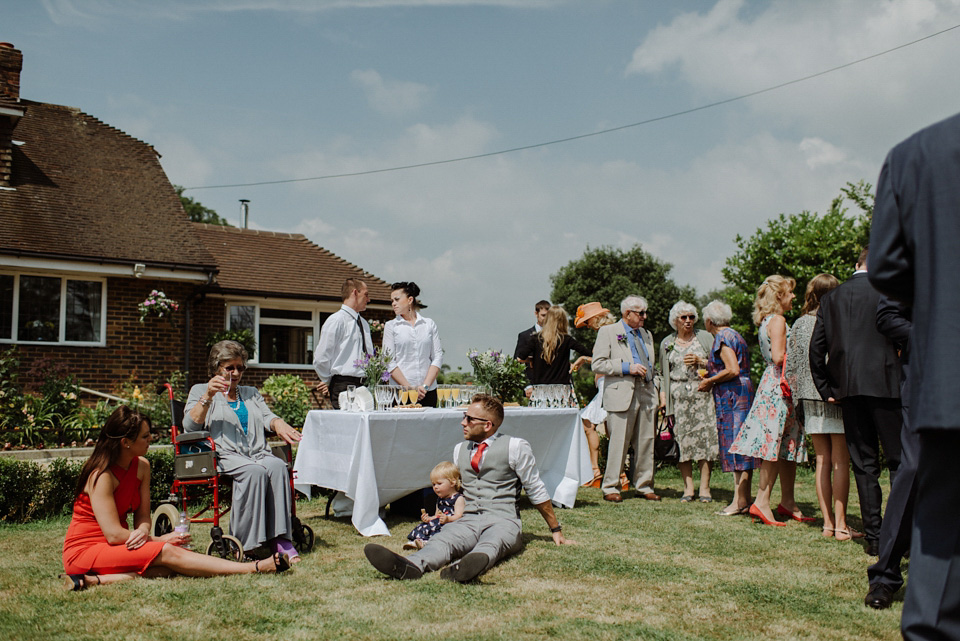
x=879 y=597
x=872 y=548
x=466 y=569
x=391 y=563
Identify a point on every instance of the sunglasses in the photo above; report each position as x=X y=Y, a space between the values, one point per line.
x=474 y=418
x=688 y=317
x=235 y=368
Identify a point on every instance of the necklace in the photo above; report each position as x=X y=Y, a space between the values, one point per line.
x=234 y=405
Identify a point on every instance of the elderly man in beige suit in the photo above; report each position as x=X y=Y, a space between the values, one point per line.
x=624 y=354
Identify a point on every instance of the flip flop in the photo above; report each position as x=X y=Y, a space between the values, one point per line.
x=686 y=498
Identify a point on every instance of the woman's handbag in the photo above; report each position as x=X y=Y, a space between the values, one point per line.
x=665 y=448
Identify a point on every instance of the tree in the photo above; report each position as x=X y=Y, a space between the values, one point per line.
x=801 y=246
x=197 y=212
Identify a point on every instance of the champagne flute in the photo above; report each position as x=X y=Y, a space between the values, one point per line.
x=351 y=396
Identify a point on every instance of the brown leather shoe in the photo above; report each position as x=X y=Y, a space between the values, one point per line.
x=650 y=496
x=613 y=498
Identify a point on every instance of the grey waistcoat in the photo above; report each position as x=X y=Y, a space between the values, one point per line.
x=496 y=488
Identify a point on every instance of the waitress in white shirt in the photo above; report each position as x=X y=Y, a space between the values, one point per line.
x=414 y=343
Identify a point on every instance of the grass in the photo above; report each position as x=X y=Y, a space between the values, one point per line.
x=642 y=570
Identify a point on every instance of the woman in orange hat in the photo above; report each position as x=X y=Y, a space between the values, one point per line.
x=594 y=315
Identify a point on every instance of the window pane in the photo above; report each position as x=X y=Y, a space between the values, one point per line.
x=6 y=306
x=39 y=317
x=292 y=314
x=83 y=310
x=243 y=317
x=279 y=344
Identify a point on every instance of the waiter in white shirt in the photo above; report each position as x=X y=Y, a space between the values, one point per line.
x=344 y=340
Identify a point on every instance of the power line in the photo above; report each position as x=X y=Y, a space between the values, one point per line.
x=588 y=135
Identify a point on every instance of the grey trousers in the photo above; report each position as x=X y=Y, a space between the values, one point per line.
x=262 y=505
x=633 y=428
x=494 y=535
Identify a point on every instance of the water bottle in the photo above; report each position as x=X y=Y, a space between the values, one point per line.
x=183 y=527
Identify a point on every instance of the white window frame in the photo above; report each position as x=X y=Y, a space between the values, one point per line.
x=61 y=340
x=315 y=308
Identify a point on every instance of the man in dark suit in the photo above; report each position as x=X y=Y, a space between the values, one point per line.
x=862 y=374
x=915 y=259
x=884 y=576
x=540 y=310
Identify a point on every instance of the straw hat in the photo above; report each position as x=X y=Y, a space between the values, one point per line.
x=587 y=311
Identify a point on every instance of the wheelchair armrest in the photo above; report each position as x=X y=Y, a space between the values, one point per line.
x=191 y=437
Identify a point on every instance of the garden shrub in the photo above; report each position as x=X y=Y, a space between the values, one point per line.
x=60 y=486
x=21 y=491
x=289 y=397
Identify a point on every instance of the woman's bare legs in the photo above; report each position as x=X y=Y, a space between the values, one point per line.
x=705 y=469
x=742 y=480
x=686 y=472
x=822 y=446
x=787 y=471
x=593 y=442
x=768 y=477
x=841 y=484
x=193 y=564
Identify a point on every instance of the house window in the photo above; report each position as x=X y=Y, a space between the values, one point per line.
x=51 y=309
x=285 y=336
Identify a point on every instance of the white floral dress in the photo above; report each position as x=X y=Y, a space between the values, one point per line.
x=694 y=415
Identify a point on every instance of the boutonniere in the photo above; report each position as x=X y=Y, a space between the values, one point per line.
x=669 y=348
x=621 y=338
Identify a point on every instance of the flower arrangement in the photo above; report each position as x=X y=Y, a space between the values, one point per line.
x=376 y=327
x=157 y=304
x=503 y=374
x=376 y=367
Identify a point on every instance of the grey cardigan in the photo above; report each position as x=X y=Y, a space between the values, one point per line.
x=224 y=427
x=706 y=341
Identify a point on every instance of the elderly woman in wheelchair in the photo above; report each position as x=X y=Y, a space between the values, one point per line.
x=237 y=417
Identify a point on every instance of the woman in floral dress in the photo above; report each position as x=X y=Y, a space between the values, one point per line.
x=771 y=431
x=694 y=417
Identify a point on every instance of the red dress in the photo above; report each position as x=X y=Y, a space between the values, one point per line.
x=86 y=550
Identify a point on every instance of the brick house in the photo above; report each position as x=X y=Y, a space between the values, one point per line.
x=90 y=225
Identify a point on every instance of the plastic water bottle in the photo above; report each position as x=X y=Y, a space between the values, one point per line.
x=183 y=527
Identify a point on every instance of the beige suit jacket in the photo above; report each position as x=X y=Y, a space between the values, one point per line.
x=609 y=355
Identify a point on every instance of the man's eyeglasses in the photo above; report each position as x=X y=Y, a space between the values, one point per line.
x=470 y=419
x=633 y=311
x=235 y=368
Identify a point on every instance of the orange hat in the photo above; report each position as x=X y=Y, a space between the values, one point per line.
x=587 y=311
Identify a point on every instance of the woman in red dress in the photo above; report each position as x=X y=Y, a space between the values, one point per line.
x=114 y=482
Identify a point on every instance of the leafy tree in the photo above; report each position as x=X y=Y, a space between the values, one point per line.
x=199 y=213
x=797 y=245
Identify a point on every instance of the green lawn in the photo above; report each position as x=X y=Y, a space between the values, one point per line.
x=641 y=571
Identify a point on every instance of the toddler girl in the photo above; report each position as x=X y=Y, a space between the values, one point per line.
x=450 y=503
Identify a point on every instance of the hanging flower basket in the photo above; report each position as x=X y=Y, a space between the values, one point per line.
x=158 y=305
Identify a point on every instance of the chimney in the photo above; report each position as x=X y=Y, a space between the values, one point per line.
x=244 y=213
x=11 y=62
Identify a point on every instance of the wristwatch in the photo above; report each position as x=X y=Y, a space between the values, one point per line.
x=554 y=530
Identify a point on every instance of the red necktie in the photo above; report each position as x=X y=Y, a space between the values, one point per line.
x=477 y=455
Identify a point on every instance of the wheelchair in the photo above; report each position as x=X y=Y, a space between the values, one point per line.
x=195 y=470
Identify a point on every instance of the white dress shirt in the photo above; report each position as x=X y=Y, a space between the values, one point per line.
x=521 y=460
x=414 y=348
x=341 y=345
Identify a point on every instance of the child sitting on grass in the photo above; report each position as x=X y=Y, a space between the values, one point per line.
x=450 y=503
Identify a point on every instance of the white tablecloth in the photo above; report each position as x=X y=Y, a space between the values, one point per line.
x=375 y=458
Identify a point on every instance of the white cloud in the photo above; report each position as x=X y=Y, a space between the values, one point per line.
x=819 y=152
x=391 y=97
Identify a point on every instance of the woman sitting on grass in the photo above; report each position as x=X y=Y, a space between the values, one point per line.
x=99 y=548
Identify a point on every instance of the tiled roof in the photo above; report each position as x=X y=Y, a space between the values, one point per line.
x=87 y=191
x=270 y=263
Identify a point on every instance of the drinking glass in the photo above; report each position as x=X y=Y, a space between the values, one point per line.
x=454 y=395
x=351 y=396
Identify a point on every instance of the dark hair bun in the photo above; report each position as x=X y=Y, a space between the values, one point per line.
x=410 y=288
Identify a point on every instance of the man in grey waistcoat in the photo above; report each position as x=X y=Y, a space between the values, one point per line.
x=493 y=467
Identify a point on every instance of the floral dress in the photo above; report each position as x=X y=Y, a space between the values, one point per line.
x=733 y=398
x=425 y=530
x=695 y=420
x=771 y=431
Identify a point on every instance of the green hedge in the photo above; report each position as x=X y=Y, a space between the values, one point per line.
x=29 y=491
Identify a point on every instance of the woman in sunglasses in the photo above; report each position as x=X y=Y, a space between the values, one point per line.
x=237 y=417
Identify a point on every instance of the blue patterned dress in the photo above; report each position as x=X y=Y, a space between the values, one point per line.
x=425 y=530
x=732 y=398
x=771 y=431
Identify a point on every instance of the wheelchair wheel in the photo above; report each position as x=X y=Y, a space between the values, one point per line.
x=231 y=548
x=165 y=518
x=303 y=538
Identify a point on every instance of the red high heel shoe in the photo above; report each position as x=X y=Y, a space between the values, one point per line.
x=755 y=512
x=785 y=512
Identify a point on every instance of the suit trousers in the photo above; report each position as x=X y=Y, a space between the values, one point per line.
x=931 y=609
x=492 y=534
x=898 y=517
x=869 y=423
x=634 y=428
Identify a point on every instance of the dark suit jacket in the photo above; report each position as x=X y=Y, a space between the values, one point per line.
x=862 y=361
x=915 y=258
x=522 y=339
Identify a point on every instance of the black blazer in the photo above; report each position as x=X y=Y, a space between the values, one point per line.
x=522 y=338
x=862 y=362
x=557 y=372
x=915 y=258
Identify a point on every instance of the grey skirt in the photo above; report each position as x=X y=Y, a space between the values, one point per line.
x=821 y=418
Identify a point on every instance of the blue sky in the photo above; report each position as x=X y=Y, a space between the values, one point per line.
x=259 y=90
